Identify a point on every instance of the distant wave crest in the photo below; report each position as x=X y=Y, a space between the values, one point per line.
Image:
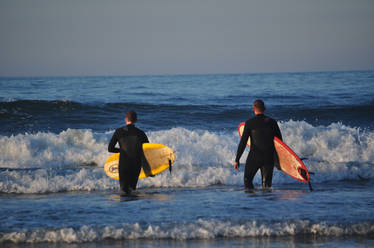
x=201 y=229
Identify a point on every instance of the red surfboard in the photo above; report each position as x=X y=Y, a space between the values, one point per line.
x=289 y=162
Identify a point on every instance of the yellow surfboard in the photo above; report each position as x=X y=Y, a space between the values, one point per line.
x=157 y=155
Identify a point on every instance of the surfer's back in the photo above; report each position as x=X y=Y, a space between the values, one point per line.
x=262 y=130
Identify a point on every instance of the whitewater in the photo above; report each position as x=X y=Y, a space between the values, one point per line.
x=73 y=159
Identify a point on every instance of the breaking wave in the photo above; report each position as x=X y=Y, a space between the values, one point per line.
x=201 y=229
x=73 y=159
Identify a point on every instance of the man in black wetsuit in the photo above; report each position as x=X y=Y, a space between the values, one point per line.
x=261 y=129
x=130 y=141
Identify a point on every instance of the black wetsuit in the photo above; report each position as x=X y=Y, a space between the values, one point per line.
x=130 y=141
x=261 y=129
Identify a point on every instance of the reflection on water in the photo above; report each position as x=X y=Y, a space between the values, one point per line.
x=140 y=196
x=277 y=195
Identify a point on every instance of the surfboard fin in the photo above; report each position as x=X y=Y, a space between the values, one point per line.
x=310 y=186
x=304 y=174
x=170 y=166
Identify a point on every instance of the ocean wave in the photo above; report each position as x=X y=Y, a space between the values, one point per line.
x=201 y=229
x=359 y=115
x=22 y=116
x=29 y=109
x=9 y=105
x=46 y=106
x=73 y=159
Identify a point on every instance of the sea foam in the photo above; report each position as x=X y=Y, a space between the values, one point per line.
x=74 y=159
x=201 y=229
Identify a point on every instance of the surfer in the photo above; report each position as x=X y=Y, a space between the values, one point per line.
x=261 y=129
x=130 y=139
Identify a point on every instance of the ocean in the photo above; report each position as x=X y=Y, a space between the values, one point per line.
x=54 y=134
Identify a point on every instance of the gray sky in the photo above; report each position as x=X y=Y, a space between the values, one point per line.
x=113 y=37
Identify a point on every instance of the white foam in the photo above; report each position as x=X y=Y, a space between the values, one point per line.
x=204 y=158
x=49 y=181
x=335 y=152
x=201 y=229
x=47 y=150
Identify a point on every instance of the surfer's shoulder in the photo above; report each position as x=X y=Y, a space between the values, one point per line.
x=271 y=121
x=268 y=118
x=139 y=131
x=248 y=122
x=121 y=130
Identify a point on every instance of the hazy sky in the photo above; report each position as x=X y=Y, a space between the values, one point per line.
x=114 y=37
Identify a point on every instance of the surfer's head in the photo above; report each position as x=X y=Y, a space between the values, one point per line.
x=131 y=117
x=259 y=106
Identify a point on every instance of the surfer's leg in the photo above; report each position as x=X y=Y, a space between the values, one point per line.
x=132 y=175
x=134 y=180
x=124 y=185
x=251 y=168
x=124 y=177
x=267 y=169
x=267 y=176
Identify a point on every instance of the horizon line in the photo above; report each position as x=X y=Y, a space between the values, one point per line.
x=189 y=74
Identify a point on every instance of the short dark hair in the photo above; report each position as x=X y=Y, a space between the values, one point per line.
x=132 y=116
x=259 y=105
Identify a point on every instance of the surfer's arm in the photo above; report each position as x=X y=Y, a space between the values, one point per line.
x=112 y=144
x=277 y=131
x=242 y=143
x=145 y=165
x=145 y=138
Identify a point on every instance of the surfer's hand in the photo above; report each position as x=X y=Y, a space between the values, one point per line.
x=236 y=166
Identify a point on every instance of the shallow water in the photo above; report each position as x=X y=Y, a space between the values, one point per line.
x=216 y=215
